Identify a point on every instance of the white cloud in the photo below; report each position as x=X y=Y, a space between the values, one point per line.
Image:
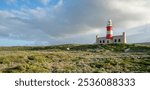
x=38 y=12
x=45 y=2
x=59 y=4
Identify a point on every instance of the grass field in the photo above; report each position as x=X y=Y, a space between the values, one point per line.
x=79 y=59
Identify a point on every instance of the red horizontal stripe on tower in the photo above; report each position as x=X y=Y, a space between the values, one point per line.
x=109 y=36
x=109 y=28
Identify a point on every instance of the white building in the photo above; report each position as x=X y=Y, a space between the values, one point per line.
x=110 y=39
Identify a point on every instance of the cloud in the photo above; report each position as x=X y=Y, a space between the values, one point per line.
x=73 y=20
x=59 y=4
x=45 y=2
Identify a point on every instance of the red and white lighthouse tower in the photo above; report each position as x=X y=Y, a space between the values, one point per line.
x=109 y=35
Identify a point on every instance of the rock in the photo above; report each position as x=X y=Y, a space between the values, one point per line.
x=68 y=49
x=127 y=50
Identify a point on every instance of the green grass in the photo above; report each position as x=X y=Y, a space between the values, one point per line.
x=79 y=59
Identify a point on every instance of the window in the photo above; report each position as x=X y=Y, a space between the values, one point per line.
x=103 y=41
x=100 y=41
x=119 y=40
x=115 y=40
x=107 y=41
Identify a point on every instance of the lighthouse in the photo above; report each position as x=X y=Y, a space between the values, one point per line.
x=110 y=38
x=109 y=34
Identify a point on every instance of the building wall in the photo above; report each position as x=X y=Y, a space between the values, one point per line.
x=101 y=40
x=118 y=39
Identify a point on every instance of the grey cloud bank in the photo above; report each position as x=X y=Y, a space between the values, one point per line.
x=76 y=21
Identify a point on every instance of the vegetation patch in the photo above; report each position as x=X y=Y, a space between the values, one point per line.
x=116 y=58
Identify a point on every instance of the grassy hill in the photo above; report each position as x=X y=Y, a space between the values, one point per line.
x=78 y=59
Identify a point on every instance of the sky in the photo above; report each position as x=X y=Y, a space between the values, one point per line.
x=52 y=22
